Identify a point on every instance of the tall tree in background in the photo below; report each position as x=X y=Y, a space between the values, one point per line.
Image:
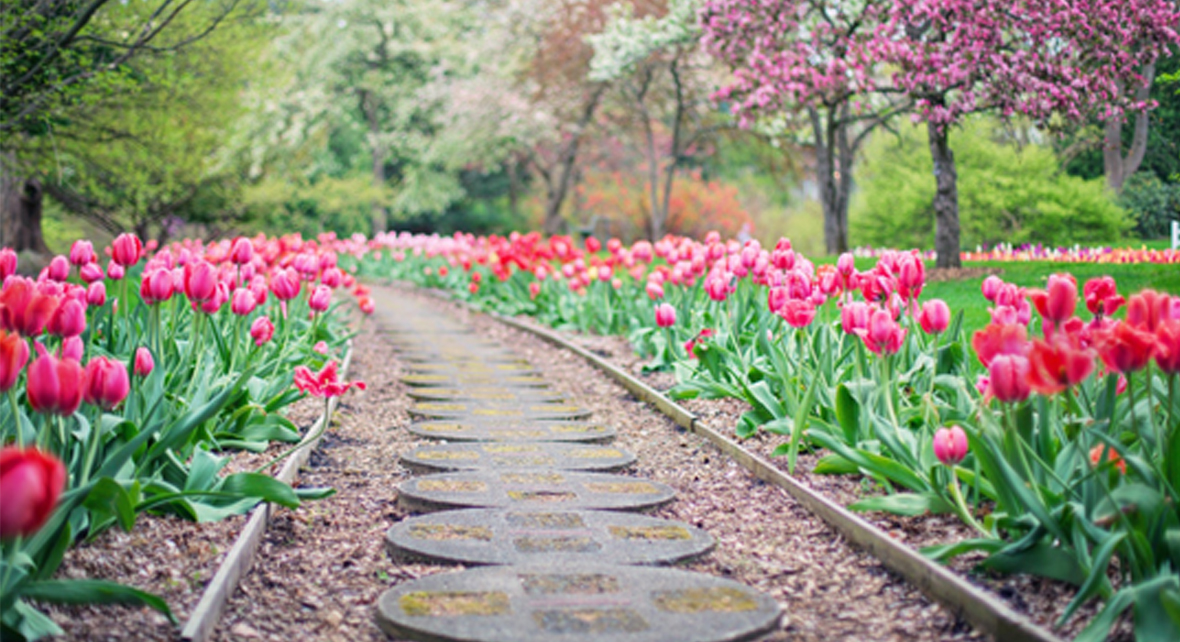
x=1040 y=58
x=658 y=67
x=55 y=54
x=811 y=61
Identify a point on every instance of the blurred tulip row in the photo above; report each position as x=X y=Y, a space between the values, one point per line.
x=1054 y=432
x=130 y=378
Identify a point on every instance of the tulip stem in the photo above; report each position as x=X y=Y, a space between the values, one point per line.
x=17 y=427
x=962 y=508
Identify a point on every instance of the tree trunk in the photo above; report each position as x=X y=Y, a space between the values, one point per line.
x=21 y=201
x=656 y=215
x=946 y=198
x=559 y=185
x=677 y=122
x=834 y=182
x=1117 y=167
x=380 y=216
x=513 y=186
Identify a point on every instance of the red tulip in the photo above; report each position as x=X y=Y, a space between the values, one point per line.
x=534 y=289
x=1167 y=346
x=332 y=277
x=797 y=314
x=69 y=320
x=912 y=276
x=950 y=445
x=126 y=250
x=82 y=253
x=320 y=298
x=262 y=330
x=366 y=305
x=59 y=269
x=1102 y=296
x=24 y=308
x=665 y=314
x=14 y=354
x=1147 y=309
x=1056 y=365
x=242 y=251
x=934 y=316
x=105 y=383
x=593 y=245
x=144 y=364
x=200 y=281
x=1125 y=348
x=996 y=339
x=30 y=482
x=1111 y=456
x=325 y=383
x=214 y=303
x=1059 y=299
x=54 y=385
x=1009 y=378
x=8 y=261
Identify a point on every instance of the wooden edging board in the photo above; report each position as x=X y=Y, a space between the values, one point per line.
x=940 y=584
x=238 y=561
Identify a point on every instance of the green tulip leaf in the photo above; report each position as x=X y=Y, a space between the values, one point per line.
x=93 y=592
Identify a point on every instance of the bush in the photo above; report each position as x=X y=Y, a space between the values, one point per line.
x=1153 y=204
x=1007 y=193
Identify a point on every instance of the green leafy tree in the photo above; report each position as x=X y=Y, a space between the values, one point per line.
x=1008 y=193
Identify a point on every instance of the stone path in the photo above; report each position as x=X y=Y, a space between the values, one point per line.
x=567 y=565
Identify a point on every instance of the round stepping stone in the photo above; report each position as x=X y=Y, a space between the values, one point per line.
x=484 y=394
x=534 y=431
x=513 y=369
x=502 y=412
x=506 y=536
x=461 y=359
x=531 y=489
x=582 y=602
x=482 y=456
x=462 y=380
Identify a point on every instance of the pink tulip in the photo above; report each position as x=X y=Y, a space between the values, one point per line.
x=115 y=271
x=654 y=290
x=105 y=383
x=320 y=298
x=144 y=364
x=69 y=320
x=243 y=302
x=242 y=251
x=991 y=287
x=200 y=281
x=855 y=316
x=72 y=348
x=54 y=385
x=950 y=445
x=31 y=482
x=798 y=314
x=1009 y=378
x=126 y=250
x=82 y=253
x=883 y=335
x=157 y=285
x=8 y=261
x=285 y=284
x=91 y=272
x=665 y=315
x=262 y=330
x=59 y=269
x=321 y=347
x=934 y=317
x=846 y=265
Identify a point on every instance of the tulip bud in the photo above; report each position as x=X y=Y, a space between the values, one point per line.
x=320 y=298
x=82 y=253
x=54 y=385
x=950 y=445
x=157 y=285
x=366 y=305
x=91 y=272
x=59 y=269
x=14 y=354
x=69 y=320
x=262 y=330
x=200 y=281
x=126 y=250
x=144 y=364
x=115 y=271
x=31 y=483
x=991 y=287
x=285 y=284
x=934 y=317
x=242 y=251
x=321 y=347
x=1009 y=378
x=105 y=383
x=845 y=265
x=332 y=277
x=8 y=261
x=243 y=302
x=665 y=315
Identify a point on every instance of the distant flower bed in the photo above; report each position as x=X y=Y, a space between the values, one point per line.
x=1076 y=254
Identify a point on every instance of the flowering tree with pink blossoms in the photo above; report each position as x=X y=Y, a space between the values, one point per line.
x=814 y=60
x=850 y=63
x=1044 y=59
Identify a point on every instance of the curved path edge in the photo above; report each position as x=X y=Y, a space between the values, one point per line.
x=940 y=584
x=237 y=562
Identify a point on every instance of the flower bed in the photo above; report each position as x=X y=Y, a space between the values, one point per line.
x=189 y=354
x=1058 y=451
